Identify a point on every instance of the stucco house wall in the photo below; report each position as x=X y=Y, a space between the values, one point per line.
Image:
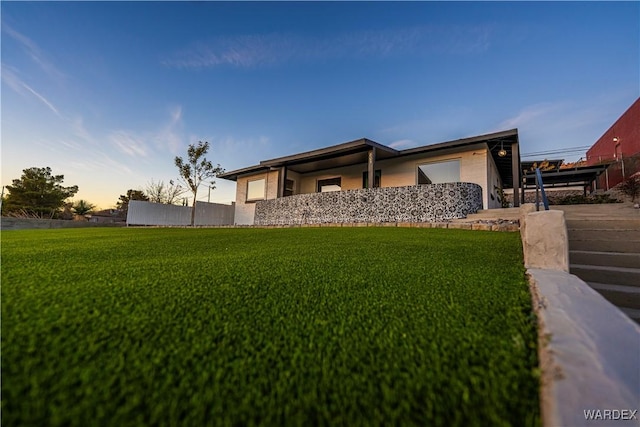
x=492 y=200
x=351 y=178
x=245 y=211
x=476 y=166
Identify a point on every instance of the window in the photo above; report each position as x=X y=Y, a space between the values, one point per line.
x=255 y=189
x=376 y=180
x=440 y=172
x=331 y=184
x=288 y=187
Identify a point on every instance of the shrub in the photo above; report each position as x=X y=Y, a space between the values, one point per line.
x=631 y=186
x=592 y=199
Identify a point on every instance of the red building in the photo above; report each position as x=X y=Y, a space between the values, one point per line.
x=620 y=146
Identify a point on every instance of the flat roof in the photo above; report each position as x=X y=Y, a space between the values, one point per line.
x=356 y=152
x=582 y=175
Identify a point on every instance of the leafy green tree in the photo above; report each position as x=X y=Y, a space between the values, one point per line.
x=195 y=170
x=82 y=207
x=37 y=193
x=123 y=202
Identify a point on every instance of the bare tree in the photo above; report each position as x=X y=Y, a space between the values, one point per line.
x=159 y=192
x=195 y=170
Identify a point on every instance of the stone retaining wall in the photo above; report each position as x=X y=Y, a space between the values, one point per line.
x=410 y=204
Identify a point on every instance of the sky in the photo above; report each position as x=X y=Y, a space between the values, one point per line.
x=109 y=93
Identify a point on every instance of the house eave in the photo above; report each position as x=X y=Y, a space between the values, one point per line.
x=358 y=145
x=234 y=174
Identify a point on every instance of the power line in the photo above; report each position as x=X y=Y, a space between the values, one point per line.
x=560 y=151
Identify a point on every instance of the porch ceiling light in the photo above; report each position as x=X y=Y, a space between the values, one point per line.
x=502 y=151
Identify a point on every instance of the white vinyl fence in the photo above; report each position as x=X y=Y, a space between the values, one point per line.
x=147 y=213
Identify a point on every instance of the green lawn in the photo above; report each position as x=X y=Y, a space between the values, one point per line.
x=302 y=326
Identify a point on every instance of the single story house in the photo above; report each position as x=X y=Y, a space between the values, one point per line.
x=333 y=184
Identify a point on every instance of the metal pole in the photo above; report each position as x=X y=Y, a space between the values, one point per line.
x=606 y=174
x=537 y=194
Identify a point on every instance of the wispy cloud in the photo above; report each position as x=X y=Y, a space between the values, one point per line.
x=42 y=99
x=254 y=50
x=226 y=149
x=79 y=130
x=402 y=144
x=142 y=144
x=33 y=51
x=169 y=136
x=129 y=143
x=528 y=115
x=14 y=82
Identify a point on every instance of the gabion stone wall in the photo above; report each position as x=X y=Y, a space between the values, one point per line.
x=415 y=203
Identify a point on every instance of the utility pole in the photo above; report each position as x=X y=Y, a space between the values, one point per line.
x=211 y=187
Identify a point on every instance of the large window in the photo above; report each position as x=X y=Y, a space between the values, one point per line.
x=440 y=172
x=255 y=190
x=376 y=180
x=331 y=184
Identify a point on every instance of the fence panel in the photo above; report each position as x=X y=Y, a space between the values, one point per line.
x=147 y=213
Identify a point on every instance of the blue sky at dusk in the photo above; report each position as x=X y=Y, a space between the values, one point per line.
x=109 y=93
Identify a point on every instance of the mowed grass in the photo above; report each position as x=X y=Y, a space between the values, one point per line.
x=312 y=326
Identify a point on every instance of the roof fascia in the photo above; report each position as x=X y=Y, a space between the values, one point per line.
x=334 y=150
x=462 y=142
x=233 y=175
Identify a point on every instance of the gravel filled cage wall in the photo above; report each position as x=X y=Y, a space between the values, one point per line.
x=414 y=203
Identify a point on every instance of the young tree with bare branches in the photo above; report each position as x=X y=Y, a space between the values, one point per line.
x=196 y=170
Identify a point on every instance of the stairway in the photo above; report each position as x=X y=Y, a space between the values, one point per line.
x=508 y=214
x=605 y=253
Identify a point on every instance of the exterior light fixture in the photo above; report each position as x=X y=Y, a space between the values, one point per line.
x=615 y=139
x=502 y=151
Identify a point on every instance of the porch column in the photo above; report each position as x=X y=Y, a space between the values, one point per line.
x=515 y=166
x=372 y=167
x=282 y=180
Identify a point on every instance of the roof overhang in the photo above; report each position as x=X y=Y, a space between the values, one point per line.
x=495 y=142
x=341 y=155
x=233 y=175
x=347 y=154
x=583 y=175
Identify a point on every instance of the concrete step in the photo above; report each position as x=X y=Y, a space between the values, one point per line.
x=506 y=213
x=633 y=313
x=604 y=224
x=513 y=211
x=611 y=259
x=603 y=234
x=620 y=296
x=603 y=274
x=604 y=211
x=620 y=246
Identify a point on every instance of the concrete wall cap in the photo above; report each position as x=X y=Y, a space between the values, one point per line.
x=588 y=351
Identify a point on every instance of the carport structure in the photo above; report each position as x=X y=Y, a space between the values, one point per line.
x=583 y=176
